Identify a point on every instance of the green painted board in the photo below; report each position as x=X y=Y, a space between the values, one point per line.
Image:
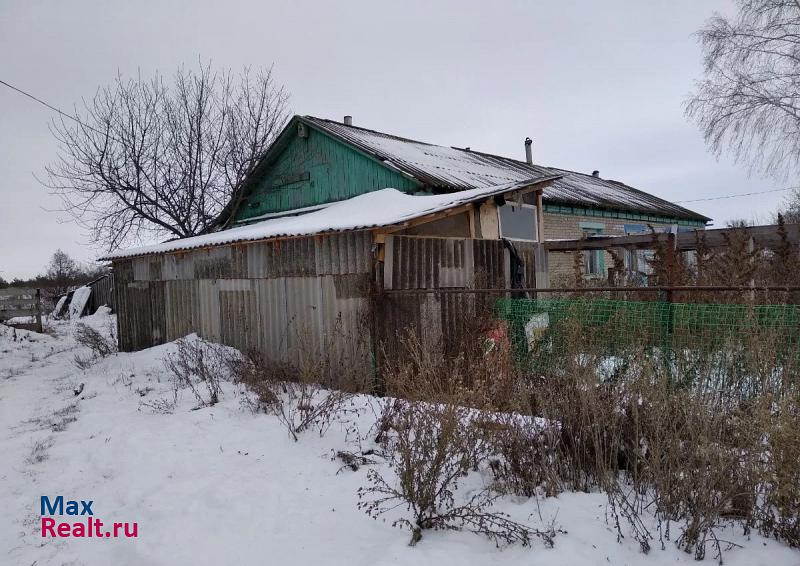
x=314 y=170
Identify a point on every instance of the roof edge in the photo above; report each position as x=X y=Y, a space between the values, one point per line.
x=480 y=195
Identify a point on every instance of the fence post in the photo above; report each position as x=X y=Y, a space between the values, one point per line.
x=39 y=310
x=666 y=324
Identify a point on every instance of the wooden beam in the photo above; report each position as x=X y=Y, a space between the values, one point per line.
x=11 y=313
x=18 y=292
x=602 y=242
x=763 y=236
x=428 y=218
x=17 y=304
x=540 y=215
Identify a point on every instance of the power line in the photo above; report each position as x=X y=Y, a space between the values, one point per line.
x=736 y=195
x=75 y=119
x=50 y=106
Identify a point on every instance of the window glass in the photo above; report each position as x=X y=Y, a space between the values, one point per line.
x=593 y=260
x=518 y=222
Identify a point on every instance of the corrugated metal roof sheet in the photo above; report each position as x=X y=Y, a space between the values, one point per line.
x=450 y=168
x=386 y=207
x=435 y=166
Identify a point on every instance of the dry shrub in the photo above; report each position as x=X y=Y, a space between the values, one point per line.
x=698 y=438
x=304 y=406
x=431 y=449
x=737 y=263
x=297 y=395
x=480 y=374
x=523 y=454
x=99 y=345
x=199 y=366
x=780 y=510
x=335 y=359
x=255 y=373
x=696 y=453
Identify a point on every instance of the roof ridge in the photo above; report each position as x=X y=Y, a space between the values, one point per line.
x=586 y=187
x=393 y=136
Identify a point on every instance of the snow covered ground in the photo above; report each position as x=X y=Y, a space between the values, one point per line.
x=222 y=485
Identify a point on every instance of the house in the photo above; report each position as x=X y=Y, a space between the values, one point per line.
x=315 y=162
x=334 y=217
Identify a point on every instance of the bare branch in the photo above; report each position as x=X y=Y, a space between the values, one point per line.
x=748 y=104
x=148 y=159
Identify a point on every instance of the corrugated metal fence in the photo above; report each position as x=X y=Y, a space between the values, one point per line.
x=102 y=294
x=298 y=301
x=311 y=300
x=442 y=320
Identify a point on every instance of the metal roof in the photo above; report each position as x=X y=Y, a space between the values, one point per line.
x=386 y=207
x=451 y=168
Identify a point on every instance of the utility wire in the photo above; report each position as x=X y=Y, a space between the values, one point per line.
x=736 y=195
x=75 y=119
x=50 y=106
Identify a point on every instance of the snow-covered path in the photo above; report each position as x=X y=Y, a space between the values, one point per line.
x=224 y=486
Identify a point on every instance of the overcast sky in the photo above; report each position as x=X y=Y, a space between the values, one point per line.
x=597 y=85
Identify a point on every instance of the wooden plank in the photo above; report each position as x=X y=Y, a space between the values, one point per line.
x=11 y=313
x=388 y=262
x=24 y=306
x=762 y=236
x=539 y=216
x=18 y=292
x=32 y=326
x=602 y=242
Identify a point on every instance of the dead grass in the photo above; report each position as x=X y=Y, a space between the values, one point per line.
x=696 y=453
x=38 y=453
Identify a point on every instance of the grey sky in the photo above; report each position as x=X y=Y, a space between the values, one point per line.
x=597 y=85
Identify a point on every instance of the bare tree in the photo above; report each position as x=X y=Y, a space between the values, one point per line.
x=150 y=158
x=791 y=210
x=749 y=100
x=61 y=272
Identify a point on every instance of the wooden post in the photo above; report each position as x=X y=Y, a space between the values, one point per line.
x=751 y=248
x=39 y=310
x=541 y=267
x=539 y=216
x=666 y=325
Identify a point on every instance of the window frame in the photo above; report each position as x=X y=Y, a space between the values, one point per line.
x=515 y=204
x=599 y=256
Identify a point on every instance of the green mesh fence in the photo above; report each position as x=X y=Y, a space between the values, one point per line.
x=752 y=346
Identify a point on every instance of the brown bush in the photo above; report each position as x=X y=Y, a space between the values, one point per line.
x=699 y=438
x=199 y=366
x=431 y=449
x=295 y=394
x=100 y=345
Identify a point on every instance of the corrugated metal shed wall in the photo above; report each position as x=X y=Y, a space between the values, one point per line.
x=296 y=300
x=440 y=319
x=102 y=294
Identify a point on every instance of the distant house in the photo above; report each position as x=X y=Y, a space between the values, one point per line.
x=335 y=219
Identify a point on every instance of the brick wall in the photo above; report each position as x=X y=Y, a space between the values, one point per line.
x=566 y=226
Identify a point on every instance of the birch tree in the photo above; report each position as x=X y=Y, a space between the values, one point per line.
x=748 y=102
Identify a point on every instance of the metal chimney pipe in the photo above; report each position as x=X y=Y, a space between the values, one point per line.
x=348 y=120
x=528 y=151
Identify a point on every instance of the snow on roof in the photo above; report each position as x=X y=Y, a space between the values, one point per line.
x=434 y=165
x=580 y=189
x=459 y=169
x=385 y=207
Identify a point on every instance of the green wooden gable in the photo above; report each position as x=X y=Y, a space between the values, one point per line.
x=307 y=167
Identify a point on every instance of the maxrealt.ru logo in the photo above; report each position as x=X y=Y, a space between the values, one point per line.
x=88 y=526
